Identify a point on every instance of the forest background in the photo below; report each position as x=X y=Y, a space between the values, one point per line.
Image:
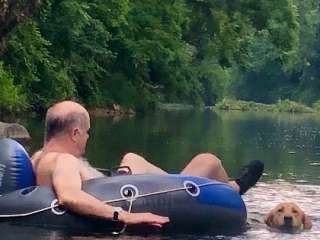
x=142 y=53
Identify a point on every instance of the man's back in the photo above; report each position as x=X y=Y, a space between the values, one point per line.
x=44 y=165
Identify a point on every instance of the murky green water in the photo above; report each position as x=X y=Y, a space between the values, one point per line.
x=288 y=144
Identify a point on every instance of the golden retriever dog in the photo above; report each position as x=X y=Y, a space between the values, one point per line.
x=288 y=217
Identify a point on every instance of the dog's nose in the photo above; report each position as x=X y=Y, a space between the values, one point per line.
x=287 y=220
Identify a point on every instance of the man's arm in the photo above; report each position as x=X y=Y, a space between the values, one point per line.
x=36 y=155
x=66 y=181
x=88 y=172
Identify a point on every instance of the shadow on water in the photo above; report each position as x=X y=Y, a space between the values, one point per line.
x=288 y=144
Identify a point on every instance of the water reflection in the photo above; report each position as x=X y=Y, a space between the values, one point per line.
x=289 y=145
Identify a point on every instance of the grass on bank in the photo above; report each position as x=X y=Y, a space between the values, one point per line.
x=281 y=106
x=174 y=106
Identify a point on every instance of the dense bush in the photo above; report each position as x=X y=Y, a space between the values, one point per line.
x=11 y=98
x=141 y=53
x=281 y=106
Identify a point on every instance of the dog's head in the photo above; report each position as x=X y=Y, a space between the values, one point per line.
x=288 y=217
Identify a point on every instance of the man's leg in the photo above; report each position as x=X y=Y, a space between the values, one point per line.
x=202 y=165
x=139 y=165
x=209 y=166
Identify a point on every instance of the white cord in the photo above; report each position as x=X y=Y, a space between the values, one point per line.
x=125 y=224
x=110 y=201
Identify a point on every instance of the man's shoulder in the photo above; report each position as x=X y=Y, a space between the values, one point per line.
x=63 y=160
x=64 y=156
x=59 y=156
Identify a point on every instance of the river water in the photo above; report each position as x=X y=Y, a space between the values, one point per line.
x=288 y=144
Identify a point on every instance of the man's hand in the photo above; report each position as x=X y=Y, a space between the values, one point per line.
x=143 y=218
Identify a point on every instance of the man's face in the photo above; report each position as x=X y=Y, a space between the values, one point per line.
x=81 y=135
x=84 y=137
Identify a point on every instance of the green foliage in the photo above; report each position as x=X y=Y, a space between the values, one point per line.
x=80 y=41
x=280 y=106
x=308 y=73
x=231 y=104
x=11 y=98
x=140 y=53
x=151 y=49
x=216 y=81
x=316 y=106
x=293 y=107
x=42 y=78
x=175 y=107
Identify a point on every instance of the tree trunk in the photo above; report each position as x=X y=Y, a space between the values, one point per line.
x=13 y=12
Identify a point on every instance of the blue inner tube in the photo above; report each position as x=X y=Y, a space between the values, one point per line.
x=193 y=204
x=15 y=167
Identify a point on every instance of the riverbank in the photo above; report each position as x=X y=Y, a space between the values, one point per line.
x=111 y=111
x=115 y=110
x=281 y=106
x=175 y=106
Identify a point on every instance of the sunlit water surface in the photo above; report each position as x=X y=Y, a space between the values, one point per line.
x=288 y=144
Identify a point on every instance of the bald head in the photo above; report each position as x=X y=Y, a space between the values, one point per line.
x=61 y=117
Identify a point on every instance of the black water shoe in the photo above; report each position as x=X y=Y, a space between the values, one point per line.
x=249 y=175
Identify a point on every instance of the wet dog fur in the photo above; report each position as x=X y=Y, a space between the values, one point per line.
x=288 y=217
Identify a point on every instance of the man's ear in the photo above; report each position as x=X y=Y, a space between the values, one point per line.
x=307 y=224
x=269 y=219
x=74 y=134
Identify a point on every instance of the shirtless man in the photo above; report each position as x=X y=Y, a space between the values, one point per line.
x=60 y=164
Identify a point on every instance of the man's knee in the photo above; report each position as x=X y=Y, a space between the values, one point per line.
x=130 y=155
x=210 y=160
x=130 y=158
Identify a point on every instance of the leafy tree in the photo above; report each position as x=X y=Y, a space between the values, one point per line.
x=140 y=53
x=11 y=98
x=13 y=12
x=41 y=77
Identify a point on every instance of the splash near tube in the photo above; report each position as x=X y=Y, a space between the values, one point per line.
x=193 y=204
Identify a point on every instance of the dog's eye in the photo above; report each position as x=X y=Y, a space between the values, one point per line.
x=294 y=211
x=280 y=210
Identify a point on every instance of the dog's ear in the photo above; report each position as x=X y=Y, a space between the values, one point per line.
x=269 y=219
x=307 y=224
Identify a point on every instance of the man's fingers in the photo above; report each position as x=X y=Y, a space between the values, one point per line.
x=148 y=218
x=159 y=222
x=158 y=219
x=157 y=225
x=164 y=220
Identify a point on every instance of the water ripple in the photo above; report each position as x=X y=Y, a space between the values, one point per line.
x=262 y=198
